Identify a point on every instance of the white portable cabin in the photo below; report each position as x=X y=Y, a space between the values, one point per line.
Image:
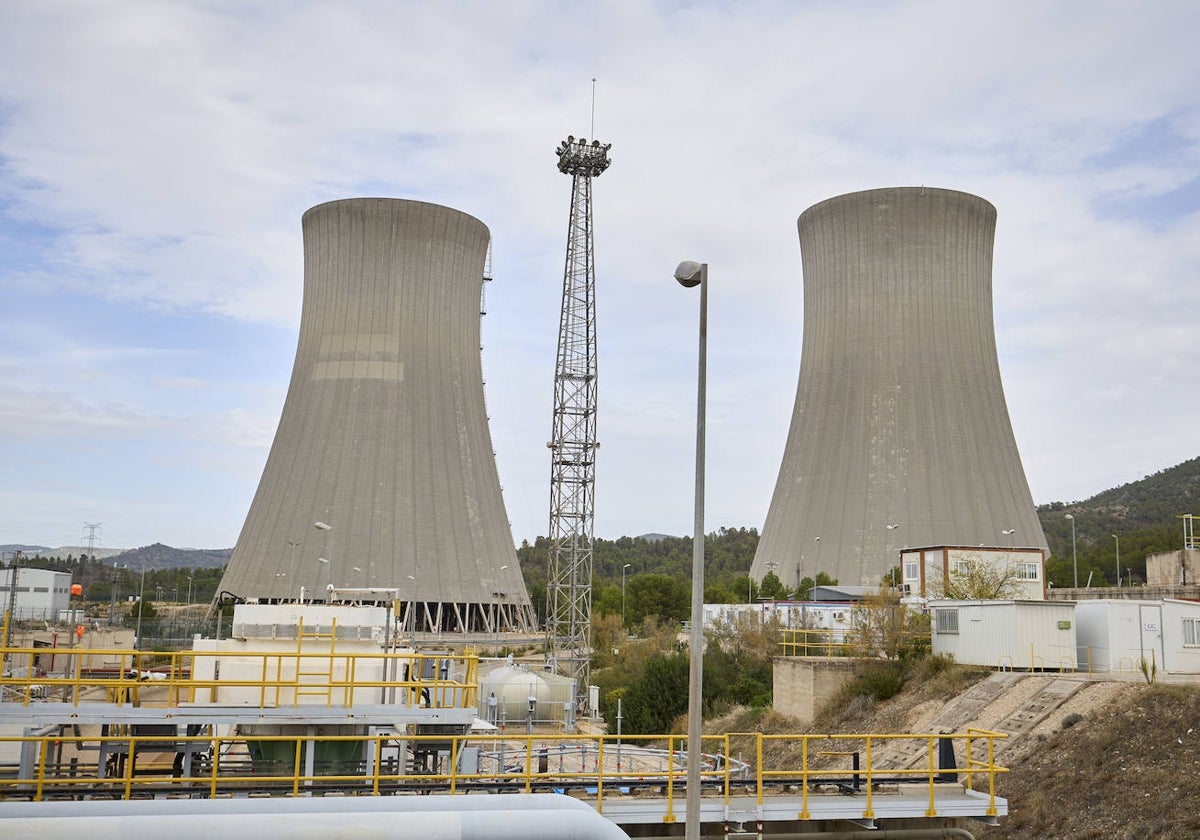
x=790 y=615
x=1029 y=635
x=1116 y=635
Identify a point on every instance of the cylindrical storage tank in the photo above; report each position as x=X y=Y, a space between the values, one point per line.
x=513 y=685
x=382 y=472
x=900 y=434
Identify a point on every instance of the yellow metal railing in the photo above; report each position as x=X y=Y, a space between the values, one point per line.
x=834 y=643
x=277 y=678
x=69 y=765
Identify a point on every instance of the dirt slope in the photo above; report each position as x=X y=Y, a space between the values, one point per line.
x=1117 y=760
x=1129 y=768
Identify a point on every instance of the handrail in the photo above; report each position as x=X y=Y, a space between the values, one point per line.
x=221 y=764
x=276 y=675
x=833 y=642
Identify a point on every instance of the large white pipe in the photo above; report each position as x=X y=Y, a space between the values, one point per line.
x=534 y=816
x=292 y=805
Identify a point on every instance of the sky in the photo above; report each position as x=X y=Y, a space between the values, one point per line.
x=156 y=157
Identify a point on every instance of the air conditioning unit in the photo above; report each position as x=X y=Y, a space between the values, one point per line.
x=905 y=589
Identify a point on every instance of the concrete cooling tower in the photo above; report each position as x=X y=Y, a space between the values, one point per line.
x=900 y=435
x=382 y=472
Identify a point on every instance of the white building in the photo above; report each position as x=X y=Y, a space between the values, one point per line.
x=1118 y=635
x=790 y=615
x=41 y=594
x=1026 y=635
x=924 y=570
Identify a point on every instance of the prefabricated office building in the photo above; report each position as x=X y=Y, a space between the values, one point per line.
x=1026 y=635
x=1116 y=635
x=1094 y=636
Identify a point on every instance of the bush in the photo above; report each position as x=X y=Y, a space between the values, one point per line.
x=873 y=682
x=1071 y=720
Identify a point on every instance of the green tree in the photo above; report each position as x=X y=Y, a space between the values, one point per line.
x=147 y=610
x=772 y=587
x=884 y=627
x=974 y=578
x=658 y=595
x=658 y=696
x=738 y=662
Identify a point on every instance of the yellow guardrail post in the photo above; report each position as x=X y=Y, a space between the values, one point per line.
x=932 y=811
x=758 y=752
x=991 y=811
x=216 y=763
x=669 y=817
x=600 y=774
x=297 y=755
x=377 y=762
x=869 y=813
x=41 y=771
x=804 y=814
x=529 y=764
x=130 y=761
x=725 y=763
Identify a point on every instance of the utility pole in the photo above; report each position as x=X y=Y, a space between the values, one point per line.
x=91 y=537
x=11 y=615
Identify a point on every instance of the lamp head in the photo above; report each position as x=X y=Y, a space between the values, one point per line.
x=689 y=273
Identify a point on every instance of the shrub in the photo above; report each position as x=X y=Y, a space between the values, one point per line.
x=1070 y=720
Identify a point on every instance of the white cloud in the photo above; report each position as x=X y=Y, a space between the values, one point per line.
x=155 y=159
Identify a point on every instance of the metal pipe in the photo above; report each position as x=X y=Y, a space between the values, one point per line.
x=885 y=834
x=535 y=816
x=276 y=805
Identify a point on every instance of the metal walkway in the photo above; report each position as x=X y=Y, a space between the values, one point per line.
x=85 y=738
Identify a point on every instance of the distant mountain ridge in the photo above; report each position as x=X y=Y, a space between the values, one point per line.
x=1144 y=515
x=1154 y=501
x=159 y=556
x=1125 y=523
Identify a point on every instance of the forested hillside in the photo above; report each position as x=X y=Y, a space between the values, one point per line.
x=658 y=578
x=1138 y=518
x=1143 y=515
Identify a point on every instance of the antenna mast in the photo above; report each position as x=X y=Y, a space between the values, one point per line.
x=573 y=444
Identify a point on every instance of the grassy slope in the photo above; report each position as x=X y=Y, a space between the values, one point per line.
x=1127 y=769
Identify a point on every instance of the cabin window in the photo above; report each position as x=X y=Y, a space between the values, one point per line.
x=911 y=570
x=1191 y=632
x=945 y=620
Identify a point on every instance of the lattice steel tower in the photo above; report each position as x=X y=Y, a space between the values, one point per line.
x=573 y=443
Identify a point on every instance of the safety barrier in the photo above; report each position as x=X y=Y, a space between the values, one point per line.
x=275 y=678
x=60 y=765
x=831 y=643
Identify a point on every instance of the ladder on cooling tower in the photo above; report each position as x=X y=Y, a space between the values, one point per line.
x=314 y=674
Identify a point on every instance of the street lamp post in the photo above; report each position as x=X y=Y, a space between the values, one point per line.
x=329 y=593
x=112 y=609
x=623 y=568
x=141 y=600
x=1118 y=541
x=817 y=566
x=497 y=595
x=1074 y=557
x=321 y=526
x=691 y=274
